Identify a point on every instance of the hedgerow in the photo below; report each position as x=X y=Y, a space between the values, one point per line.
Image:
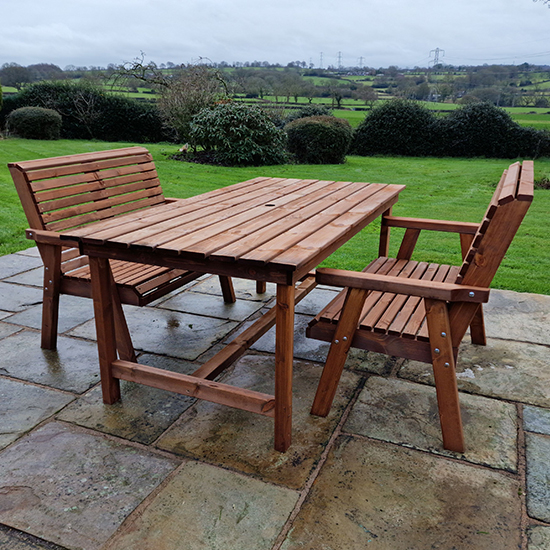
x=34 y=123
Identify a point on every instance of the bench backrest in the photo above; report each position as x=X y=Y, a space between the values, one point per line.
x=506 y=211
x=66 y=192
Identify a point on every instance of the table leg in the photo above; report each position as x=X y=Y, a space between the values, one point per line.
x=284 y=356
x=105 y=327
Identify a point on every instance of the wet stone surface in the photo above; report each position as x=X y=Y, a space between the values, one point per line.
x=141 y=415
x=72 y=367
x=400 y=412
x=18 y=297
x=509 y=370
x=72 y=488
x=73 y=311
x=228 y=512
x=17 y=263
x=24 y=406
x=538 y=476
x=34 y=277
x=212 y=306
x=536 y=420
x=375 y=495
x=518 y=316
x=244 y=289
x=244 y=441
x=168 y=332
x=14 y=540
x=7 y=330
x=539 y=537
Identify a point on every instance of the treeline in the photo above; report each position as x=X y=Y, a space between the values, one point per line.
x=502 y=85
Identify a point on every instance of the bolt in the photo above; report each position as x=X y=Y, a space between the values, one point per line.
x=447 y=365
x=436 y=350
x=336 y=341
x=345 y=338
x=444 y=334
x=471 y=294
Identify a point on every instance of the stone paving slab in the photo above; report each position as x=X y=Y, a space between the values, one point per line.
x=376 y=495
x=34 y=277
x=17 y=263
x=538 y=476
x=401 y=412
x=244 y=289
x=167 y=332
x=244 y=441
x=74 y=488
x=14 y=540
x=539 y=537
x=18 y=297
x=7 y=330
x=212 y=306
x=536 y=420
x=207 y=508
x=72 y=367
x=73 y=311
x=518 y=316
x=23 y=406
x=315 y=301
x=516 y=371
x=142 y=414
x=31 y=251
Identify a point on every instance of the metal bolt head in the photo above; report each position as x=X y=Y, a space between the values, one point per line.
x=437 y=350
x=444 y=334
x=471 y=294
x=447 y=365
x=345 y=338
x=336 y=341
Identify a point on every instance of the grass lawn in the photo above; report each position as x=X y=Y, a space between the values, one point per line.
x=458 y=189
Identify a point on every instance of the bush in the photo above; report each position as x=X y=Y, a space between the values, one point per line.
x=484 y=130
x=89 y=112
x=319 y=139
x=238 y=135
x=397 y=127
x=307 y=111
x=34 y=123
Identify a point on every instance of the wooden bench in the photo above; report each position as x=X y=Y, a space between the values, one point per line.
x=76 y=190
x=421 y=311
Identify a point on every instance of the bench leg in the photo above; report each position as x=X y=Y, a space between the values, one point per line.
x=228 y=291
x=261 y=287
x=51 y=256
x=443 y=360
x=105 y=327
x=338 y=352
x=124 y=343
x=477 y=328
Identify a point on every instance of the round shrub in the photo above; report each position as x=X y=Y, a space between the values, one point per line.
x=479 y=130
x=34 y=123
x=307 y=111
x=319 y=139
x=396 y=127
x=238 y=135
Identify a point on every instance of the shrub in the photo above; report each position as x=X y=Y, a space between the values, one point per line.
x=319 y=139
x=34 y=123
x=307 y=111
x=238 y=135
x=397 y=127
x=482 y=129
x=90 y=112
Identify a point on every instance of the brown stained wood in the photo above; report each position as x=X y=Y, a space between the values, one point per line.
x=105 y=328
x=51 y=256
x=216 y=392
x=227 y=290
x=385 y=231
x=432 y=225
x=284 y=357
x=338 y=351
x=408 y=244
x=526 y=182
x=509 y=189
x=443 y=362
x=261 y=287
x=242 y=342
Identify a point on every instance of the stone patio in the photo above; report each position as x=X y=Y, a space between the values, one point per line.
x=160 y=471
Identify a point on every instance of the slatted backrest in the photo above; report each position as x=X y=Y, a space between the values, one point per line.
x=504 y=215
x=65 y=192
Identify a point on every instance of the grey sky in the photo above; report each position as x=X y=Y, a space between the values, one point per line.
x=382 y=32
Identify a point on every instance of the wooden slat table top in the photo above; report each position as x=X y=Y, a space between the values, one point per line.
x=278 y=222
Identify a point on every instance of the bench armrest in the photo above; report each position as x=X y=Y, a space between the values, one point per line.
x=432 y=225
x=448 y=292
x=49 y=237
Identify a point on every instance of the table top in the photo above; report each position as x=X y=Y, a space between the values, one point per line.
x=266 y=225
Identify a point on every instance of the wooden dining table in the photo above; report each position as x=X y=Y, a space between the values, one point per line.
x=265 y=229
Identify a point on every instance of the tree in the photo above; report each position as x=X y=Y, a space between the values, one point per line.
x=183 y=94
x=15 y=75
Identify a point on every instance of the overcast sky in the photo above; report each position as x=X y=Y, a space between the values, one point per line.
x=381 y=32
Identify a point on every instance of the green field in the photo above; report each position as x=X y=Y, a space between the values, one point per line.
x=438 y=188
